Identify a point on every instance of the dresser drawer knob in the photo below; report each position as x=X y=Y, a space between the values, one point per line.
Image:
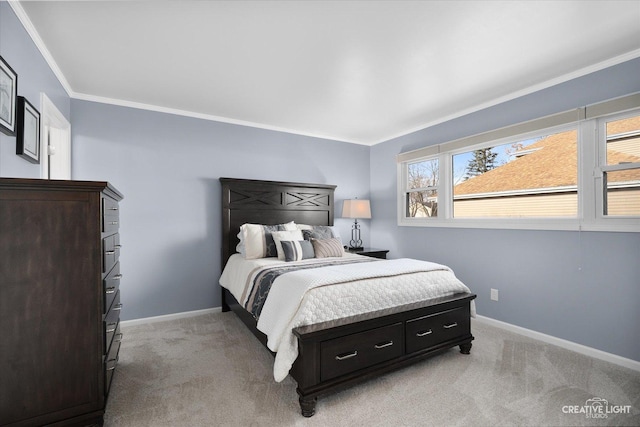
x=117 y=307
x=346 y=355
x=451 y=325
x=383 y=345
x=425 y=333
x=111 y=290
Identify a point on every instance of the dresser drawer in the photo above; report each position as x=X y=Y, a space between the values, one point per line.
x=110 y=363
x=110 y=251
x=351 y=353
x=431 y=330
x=113 y=337
x=110 y=215
x=111 y=321
x=111 y=285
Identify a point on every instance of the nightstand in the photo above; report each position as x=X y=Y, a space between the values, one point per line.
x=372 y=252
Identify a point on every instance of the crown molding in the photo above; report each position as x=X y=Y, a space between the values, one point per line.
x=29 y=27
x=178 y=112
x=31 y=30
x=527 y=91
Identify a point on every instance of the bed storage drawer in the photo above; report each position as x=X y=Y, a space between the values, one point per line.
x=349 y=353
x=431 y=330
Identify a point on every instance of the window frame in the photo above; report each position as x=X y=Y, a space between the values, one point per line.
x=590 y=124
x=601 y=167
x=408 y=190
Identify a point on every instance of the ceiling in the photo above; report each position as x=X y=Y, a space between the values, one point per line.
x=355 y=71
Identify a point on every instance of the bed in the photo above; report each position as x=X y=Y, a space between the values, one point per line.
x=335 y=353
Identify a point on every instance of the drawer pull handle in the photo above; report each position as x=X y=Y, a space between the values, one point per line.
x=110 y=330
x=452 y=325
x=118 y=337
x=117 y=307
x=111 y=290
x=347 y=356
x=117 y=277
x=386 y=344
x=114 y=223
x=118 y=246
x=425 y=333
x=109 y=252
x=114 y=364
x=113 y=208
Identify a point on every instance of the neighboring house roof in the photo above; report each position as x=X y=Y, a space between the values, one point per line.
x=552 y=162
x=625 y=125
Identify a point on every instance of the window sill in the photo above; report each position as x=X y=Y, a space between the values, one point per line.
x=624 y=225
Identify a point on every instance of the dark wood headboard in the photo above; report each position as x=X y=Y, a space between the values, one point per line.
x=271 y=202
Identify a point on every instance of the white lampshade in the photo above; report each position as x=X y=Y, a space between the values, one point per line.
x=356 y=208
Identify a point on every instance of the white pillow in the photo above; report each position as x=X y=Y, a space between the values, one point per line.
x=254 y=241
x=290 y=226
x=254 y=234
x=335 y=232
x=278 y=236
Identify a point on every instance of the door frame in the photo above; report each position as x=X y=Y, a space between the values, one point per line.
x=51 y=117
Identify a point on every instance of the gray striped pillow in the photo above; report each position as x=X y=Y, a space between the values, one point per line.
x=297 y=250
x=325 y=248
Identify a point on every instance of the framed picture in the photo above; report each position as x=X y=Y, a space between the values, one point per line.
x=8 y=98
x=28 y=132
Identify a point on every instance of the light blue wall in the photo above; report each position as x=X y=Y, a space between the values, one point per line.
x=167 y=167
x=583 y=287
x=34 y=77
x=579 y=286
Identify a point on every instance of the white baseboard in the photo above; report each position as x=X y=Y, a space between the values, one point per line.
x=172 y=316
x=569 y=345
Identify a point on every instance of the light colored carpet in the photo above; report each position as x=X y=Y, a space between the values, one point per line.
x=210 y=371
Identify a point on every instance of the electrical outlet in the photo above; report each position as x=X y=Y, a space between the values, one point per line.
x=494 y=294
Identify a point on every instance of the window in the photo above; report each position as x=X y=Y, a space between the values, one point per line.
x=574 y=170
x=621 y=168
x=534 y=177
x=422 y=196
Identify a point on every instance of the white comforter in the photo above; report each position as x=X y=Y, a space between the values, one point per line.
x=311 y=296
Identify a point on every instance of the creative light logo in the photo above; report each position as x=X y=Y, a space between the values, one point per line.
x=596 y=407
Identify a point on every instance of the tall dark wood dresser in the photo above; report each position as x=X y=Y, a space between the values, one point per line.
x=59 y=300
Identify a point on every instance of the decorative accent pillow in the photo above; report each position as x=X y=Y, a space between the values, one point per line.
x=318 y=232
x=325 y=248
x=297 y=250
x=256 y=240
x=279 y=236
